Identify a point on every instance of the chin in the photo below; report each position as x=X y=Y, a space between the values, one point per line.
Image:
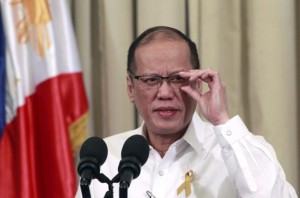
x=169 y=128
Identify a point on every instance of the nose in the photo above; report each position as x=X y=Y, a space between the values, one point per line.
x=165 y=91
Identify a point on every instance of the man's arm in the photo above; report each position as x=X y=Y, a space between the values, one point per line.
x=250 y=160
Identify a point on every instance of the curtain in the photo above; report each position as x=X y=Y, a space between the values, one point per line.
x=253 y=44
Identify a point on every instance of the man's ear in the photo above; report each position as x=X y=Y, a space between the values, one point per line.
x=130 y=89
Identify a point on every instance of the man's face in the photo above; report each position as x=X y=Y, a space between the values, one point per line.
x=165 y=110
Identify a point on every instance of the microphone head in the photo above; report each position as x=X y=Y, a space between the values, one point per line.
x=94 y=147
x=136 y=146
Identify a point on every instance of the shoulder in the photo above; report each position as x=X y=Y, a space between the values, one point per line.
x=115 y=142
x=123 y=136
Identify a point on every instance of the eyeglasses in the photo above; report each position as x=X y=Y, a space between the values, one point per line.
x=152 y=81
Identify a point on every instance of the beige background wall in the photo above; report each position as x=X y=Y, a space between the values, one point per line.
x=254 y=44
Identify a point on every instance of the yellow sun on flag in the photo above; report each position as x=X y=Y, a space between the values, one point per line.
x=32 y=26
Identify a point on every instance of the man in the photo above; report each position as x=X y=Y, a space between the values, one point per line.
x=189 y=157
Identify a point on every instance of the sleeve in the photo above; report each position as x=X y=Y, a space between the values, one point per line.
x=251 y=162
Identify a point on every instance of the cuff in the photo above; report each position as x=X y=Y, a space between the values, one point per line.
x=230 y=132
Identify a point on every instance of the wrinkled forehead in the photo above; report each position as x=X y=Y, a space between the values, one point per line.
x=157 y=37
x=163 y=57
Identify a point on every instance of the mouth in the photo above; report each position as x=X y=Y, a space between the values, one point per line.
x=166 y=111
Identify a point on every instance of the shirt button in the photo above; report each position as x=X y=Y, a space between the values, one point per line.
x=161 y=173
x=228 y=133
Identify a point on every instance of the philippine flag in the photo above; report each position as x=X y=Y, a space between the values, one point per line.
x=43 y=105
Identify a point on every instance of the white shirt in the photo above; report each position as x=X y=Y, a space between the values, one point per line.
x=227 y=162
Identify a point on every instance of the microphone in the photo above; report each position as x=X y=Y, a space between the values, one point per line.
x=93 y=154
x=135 y=153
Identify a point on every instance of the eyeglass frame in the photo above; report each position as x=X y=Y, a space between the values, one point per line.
x=160 y=78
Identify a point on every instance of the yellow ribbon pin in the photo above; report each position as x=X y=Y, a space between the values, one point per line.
x=186 y=185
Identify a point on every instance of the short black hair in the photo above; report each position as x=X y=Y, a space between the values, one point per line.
x=161 y=32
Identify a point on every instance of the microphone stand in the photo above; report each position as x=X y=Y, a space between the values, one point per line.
x=103 y=179
x=85 y=191
x=123 y=192
x=123 y=186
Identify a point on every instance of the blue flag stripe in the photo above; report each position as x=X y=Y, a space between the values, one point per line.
x=2 y=76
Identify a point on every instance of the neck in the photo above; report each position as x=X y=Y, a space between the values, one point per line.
x=162 y=142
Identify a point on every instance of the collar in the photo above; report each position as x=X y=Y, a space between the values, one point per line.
x=196 y=135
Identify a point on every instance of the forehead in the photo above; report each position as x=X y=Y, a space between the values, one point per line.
x=163 y=56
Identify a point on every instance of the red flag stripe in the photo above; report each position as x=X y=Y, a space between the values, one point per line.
x=37 y=141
